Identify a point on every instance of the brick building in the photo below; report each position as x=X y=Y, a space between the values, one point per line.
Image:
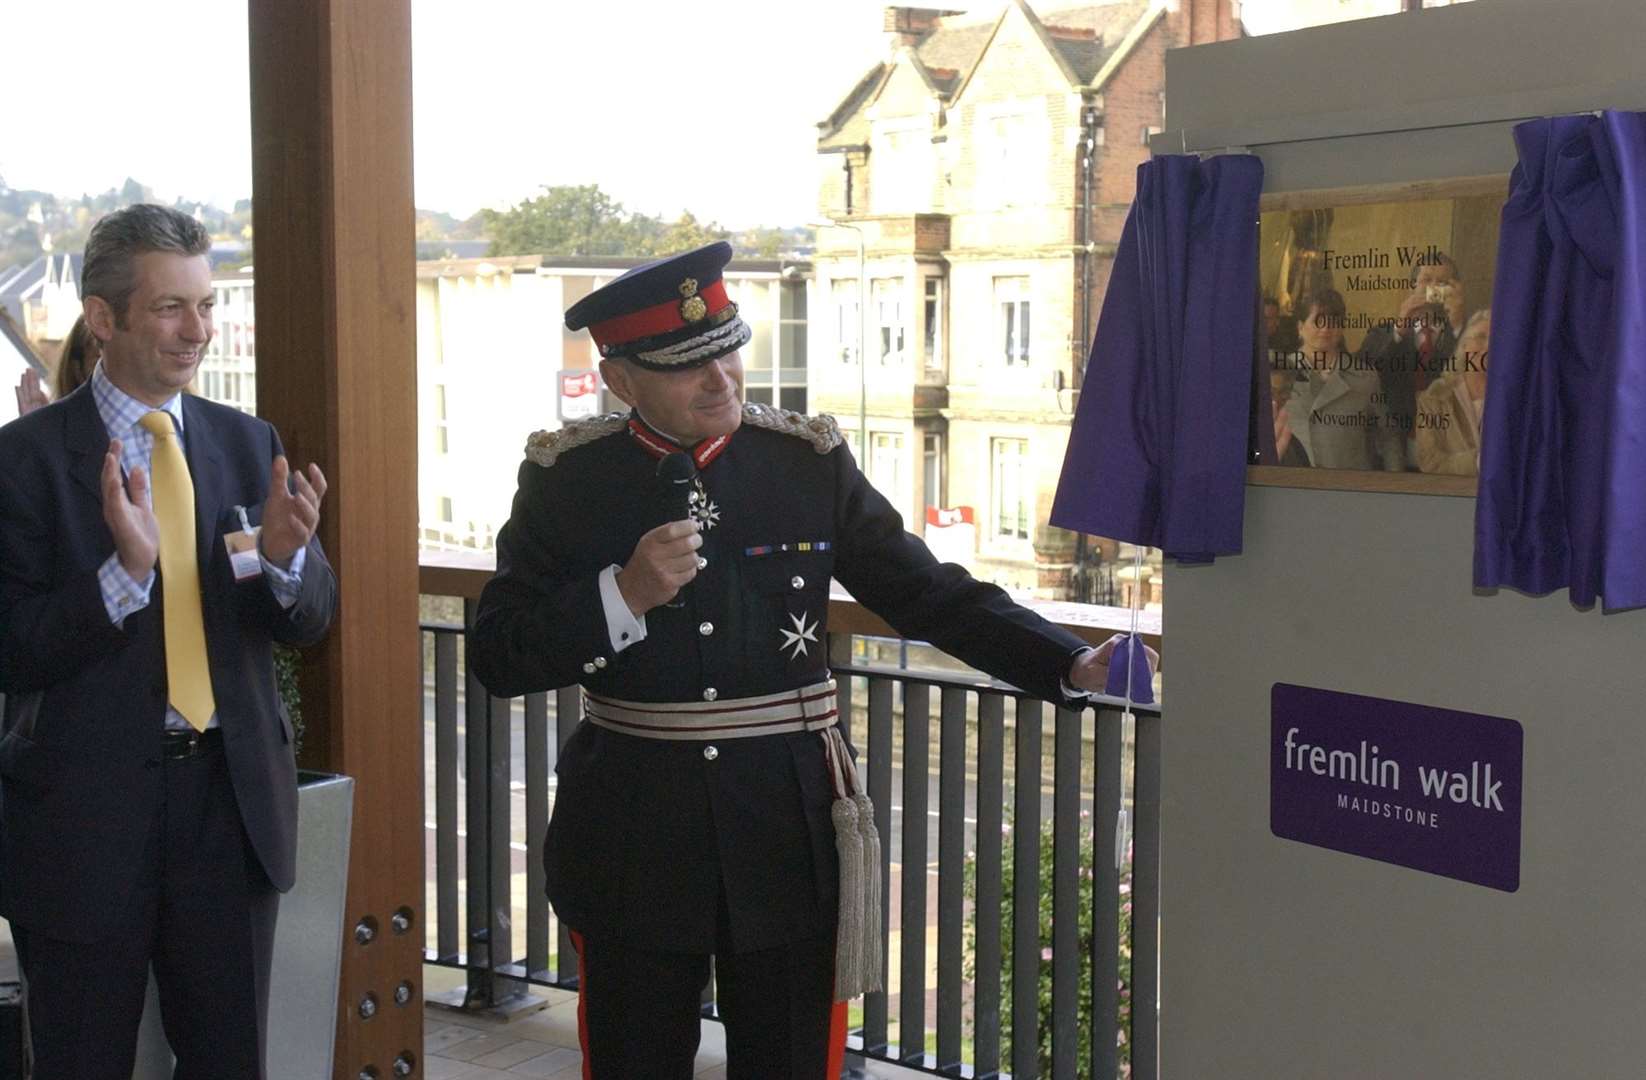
x=977 y=179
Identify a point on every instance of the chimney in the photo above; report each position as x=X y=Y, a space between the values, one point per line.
x=1196 y=22
x=905 y=26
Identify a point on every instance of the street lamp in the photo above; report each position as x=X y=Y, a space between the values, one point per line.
x=862 y=340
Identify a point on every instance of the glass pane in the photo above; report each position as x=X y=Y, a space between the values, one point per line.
x=794 y=300
x=929 y=346
x=752 y=298
x=794 y=346
x=758 y=353
x=792 y=397
x=761 y=394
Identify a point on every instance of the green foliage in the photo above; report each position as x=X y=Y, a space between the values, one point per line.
x=285 y=682
x=1043 y=1003
x=687 y=233
x=583 y=220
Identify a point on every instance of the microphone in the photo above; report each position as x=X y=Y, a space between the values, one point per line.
x=676 y=472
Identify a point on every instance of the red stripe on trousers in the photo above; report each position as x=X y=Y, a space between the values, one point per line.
x=583 y=1006
x=837 y=1041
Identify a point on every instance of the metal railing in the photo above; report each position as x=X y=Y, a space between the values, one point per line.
x=1019 y=766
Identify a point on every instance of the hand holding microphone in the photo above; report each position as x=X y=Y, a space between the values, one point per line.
x=665 y=559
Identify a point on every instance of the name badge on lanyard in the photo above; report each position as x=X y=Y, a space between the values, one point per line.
x=242 y=548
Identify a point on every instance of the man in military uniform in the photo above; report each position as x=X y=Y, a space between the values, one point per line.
x=709 y=805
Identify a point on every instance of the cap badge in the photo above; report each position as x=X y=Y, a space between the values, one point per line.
x=692 y=307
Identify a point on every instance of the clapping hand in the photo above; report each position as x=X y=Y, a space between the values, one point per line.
x=292 y=512
x=129 y=516
x=30 y=395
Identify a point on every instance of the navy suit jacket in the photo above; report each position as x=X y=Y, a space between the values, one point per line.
x=85 y=700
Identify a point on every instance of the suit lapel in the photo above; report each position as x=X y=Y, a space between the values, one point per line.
x=205 y=460
x=86 y=440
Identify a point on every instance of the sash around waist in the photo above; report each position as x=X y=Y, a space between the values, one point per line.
x=807 y=708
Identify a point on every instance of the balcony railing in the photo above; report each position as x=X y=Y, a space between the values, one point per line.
x=967 y=777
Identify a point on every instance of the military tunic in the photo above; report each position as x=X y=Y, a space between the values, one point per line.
x=647 y=835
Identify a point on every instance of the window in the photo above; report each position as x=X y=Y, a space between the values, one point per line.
x=887 y=470
x=846 y=327
x=228 y=364
x=774 y=369
x=1011 y=492
x=1011 y=297
x=440 y=426
x=931 y=345
x=446 y=509
x=755 y=304
x=932 y=467
x=1010 y=159
x=888 y=307
x=901 y=156
x=792 y=320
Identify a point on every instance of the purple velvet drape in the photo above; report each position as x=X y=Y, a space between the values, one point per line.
x=1157 y=454
x=1562 y=499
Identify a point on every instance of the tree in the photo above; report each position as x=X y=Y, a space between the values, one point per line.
x=686 y=233
x=564 y=220
x=583 y=220
x=133 y=192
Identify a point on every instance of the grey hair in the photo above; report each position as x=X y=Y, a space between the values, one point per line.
x=118 y=238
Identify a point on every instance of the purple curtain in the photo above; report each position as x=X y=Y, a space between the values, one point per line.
x=1157 y=454
x=1562 y=499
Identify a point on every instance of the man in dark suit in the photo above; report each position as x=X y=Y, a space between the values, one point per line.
x=709 y=805
x=150 y=797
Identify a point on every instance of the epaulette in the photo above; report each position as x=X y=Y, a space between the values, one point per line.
x=543 y=447
x=821 y=430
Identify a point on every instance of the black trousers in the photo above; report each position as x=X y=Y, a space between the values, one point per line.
x=202 y=913
x=639 y=1011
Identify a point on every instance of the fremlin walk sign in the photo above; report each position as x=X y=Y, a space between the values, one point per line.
x=1432 y=789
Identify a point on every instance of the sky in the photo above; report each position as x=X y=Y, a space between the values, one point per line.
x=667 y=106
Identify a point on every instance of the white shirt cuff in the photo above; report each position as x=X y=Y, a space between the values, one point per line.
x=286 y=584
x=1069 y=689
x=123 y=595
x=621 y=626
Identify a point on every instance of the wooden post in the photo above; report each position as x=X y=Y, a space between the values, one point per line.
x=334 y=241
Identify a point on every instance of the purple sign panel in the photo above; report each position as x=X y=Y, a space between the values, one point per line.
x=1432 y=789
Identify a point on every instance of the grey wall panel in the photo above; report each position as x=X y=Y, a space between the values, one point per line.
x=1284 y=960
x=1281 y=960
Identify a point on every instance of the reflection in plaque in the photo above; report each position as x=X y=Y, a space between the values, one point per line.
x=1375 y=326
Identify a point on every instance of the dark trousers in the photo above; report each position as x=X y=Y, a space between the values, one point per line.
x=638 y=1011
x=202 y=913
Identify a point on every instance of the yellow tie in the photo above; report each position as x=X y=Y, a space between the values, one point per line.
x=187 y=673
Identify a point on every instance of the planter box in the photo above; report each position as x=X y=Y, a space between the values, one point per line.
x=308 y=944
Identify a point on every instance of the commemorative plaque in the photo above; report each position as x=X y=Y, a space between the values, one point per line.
x=1376 y=324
